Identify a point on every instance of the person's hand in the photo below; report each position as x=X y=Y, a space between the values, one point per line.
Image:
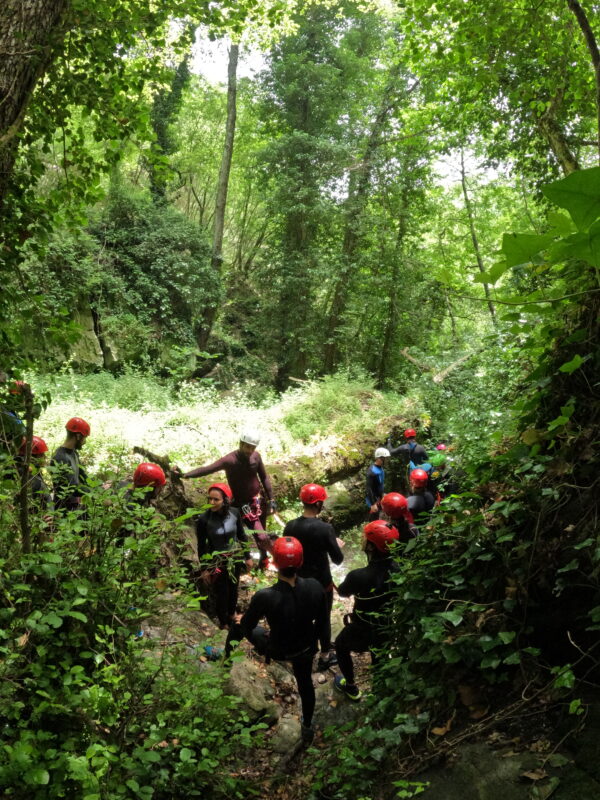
x=272 y=507
x=177 y=471
x=341 y=542
x=374 y=508
x=249 y=564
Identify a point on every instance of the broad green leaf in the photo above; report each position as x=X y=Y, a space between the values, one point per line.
x=560 y=223
x=185 y=754
x=579 y=194
x=572 y=365
x=37 y=777
x=524 y=248
x=455 y=617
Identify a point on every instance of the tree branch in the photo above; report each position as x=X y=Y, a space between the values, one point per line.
x=592 y=46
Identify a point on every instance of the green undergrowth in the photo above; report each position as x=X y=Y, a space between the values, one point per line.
x=89 y=709
x=193 y=423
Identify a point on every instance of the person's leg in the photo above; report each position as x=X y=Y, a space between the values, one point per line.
x=302 y=667
x=354 y=638
x=233 y=582
x=327 y=658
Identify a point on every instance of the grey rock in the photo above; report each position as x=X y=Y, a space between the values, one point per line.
x=286 y=735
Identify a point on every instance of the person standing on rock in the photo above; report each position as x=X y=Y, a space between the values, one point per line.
x=319 y=544
x=375 y=483
x=68 y=476
x=296 y=610
x=219 y=534
x=251 y=487
x=370 y=588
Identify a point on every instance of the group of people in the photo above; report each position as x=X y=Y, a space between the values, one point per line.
x=298 y=606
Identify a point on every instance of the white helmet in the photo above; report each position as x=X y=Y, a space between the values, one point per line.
x=382 y=452
x=250 y=436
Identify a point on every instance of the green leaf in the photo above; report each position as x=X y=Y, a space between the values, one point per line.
x=579 y=194
x=560 y=223
x=524 y=248
x=77 y=615
x=455 y=617
x=37 y=777
x=572 y=365
x=507 y=636
x=52 y=619
x=185 y=754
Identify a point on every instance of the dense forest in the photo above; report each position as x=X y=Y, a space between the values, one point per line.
x=327 y=221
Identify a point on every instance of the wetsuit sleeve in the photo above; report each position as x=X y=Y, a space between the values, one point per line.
x=349 y=585
x=333 y=548
x=255 y=612
x=264 y=479
x=401 y=450
x=216 y=466
x=240 y=531
x=202 y=536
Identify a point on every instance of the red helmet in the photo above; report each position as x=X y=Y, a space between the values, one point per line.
x=380 y=534
x=312 y=493
x=419 y=478
x=287 y=552
x=38 y=447
x=394 y=505
x=148 y=475
x=410 y=433
x=78 y=425
x=222 y=487
x=441 y=446
x=17 y=387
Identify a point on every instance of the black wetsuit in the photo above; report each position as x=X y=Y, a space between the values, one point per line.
x=319 y=544
x=418 y=454
x=420 y=506
x=297 y=616
x=69 y=479
x=370 y=588
x=221 y=533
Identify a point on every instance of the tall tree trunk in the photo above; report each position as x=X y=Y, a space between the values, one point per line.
x=474 y=239
x=555 y=136
x=592 y=46
x=30 y=33
x=216 y=260
x=391 y=325
x=358 y=195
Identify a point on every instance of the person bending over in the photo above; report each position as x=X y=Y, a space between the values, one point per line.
x=296 y=611
x=319 y=544
x=370 y=588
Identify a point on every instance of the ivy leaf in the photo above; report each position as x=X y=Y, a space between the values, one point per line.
x=524 y=248
x=572 y=365
x=455 y=617
x=579 y=194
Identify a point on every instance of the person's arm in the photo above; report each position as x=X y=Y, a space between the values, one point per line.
x=253 y=615
x=216 y=466
x=242 y=536
x=265 y=480
x=202 y=536
x=333 y=548
x=349 y=585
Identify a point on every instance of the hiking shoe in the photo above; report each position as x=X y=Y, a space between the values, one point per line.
x=307 y=732
x=327 y=661
x=351 y=691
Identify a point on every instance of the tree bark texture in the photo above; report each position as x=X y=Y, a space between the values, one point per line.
x=474 y=239
x=30 y=33
x=592 y=46
x=222 y=188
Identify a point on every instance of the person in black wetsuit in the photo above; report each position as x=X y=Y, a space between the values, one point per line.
x=411 y=453
x=370 y=588
x=69 y=477
x=146 y=474
x=319 y=544
x=420 y=501
x=375 y=483
x=219 y=532
x=395 y=506
x=296 y=611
